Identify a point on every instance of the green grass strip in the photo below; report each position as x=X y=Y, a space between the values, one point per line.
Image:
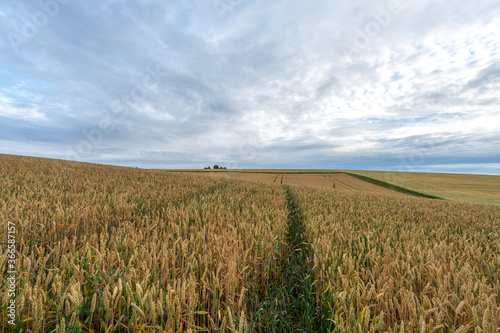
x=393 y=187
x=290 y=303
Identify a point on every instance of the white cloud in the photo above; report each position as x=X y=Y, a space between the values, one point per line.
x=7 y=110
x=271 y=75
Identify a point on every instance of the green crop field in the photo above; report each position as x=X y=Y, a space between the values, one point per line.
x=113 y=249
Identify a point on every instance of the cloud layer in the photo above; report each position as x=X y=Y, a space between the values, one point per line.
x=409 y=86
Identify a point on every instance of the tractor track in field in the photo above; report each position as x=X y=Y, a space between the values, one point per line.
x=290 y=304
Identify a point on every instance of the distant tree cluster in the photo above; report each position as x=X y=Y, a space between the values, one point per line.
x=216 y=167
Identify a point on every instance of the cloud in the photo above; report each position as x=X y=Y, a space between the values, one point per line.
x=341 y=84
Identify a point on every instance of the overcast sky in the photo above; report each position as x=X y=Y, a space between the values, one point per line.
x=337 y=84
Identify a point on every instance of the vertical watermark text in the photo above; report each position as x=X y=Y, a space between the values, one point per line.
x=11 y=273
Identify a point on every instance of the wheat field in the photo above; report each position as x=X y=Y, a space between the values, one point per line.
x=107 y=249
x=458 y=187
x=337 y=180
x=404 y=264
x=113 y=249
